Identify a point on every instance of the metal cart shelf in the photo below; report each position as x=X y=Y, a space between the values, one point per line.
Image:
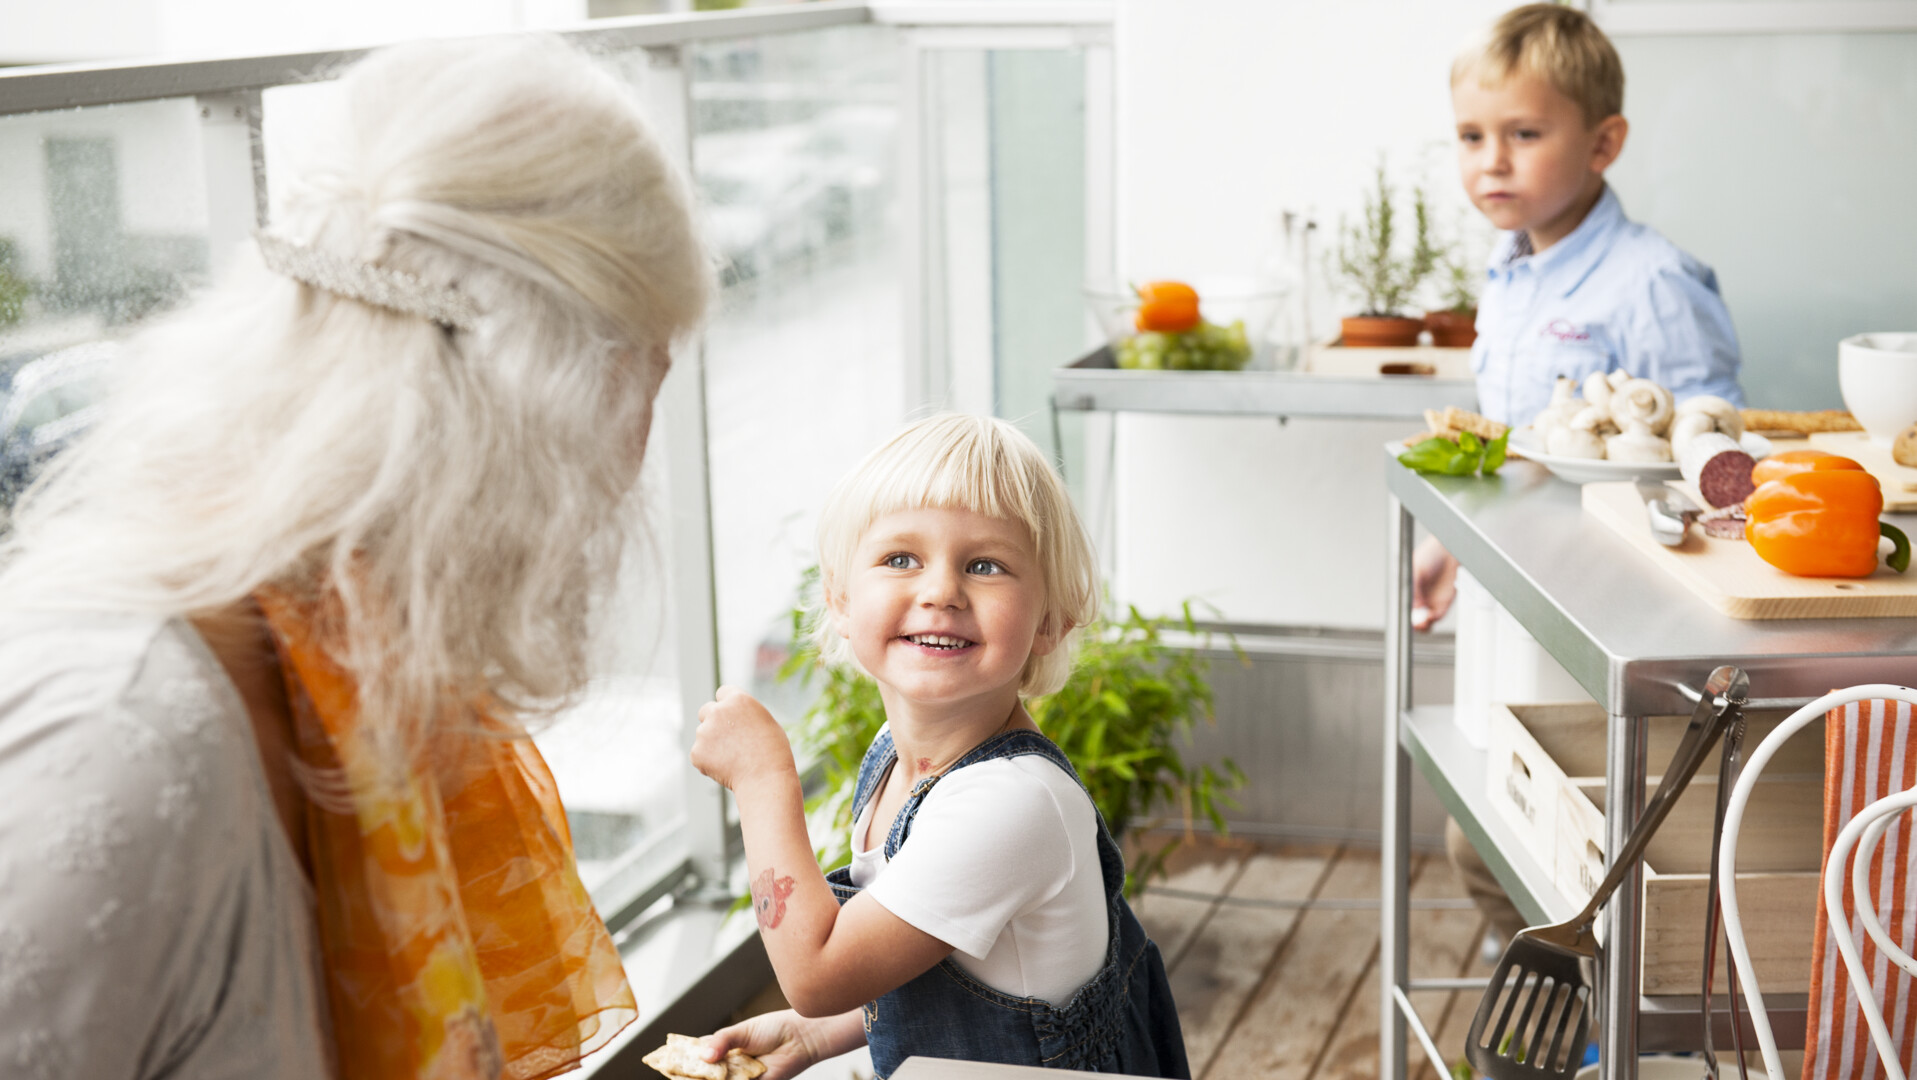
x=1638 y=642
x=1334 y=385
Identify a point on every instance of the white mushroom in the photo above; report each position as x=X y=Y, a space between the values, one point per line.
x=1689 y=426
x=1637 y=443
x=1619 y=378
x=1597 y=391
x=1643 y=401
x=1724 y=415
x=1575 y=442
x=1557 y=415
x=1594 y=419
x=1564 y=390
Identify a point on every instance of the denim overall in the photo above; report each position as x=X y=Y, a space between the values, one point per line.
x=1121 y=1021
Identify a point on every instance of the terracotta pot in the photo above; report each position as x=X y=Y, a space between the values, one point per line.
x=1452 y=329
x=1380 y=331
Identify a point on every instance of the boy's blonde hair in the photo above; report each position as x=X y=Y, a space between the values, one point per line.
x=1558 y=44
x=957 y=462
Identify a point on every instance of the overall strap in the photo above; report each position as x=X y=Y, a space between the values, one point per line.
x=878 y=757
x=1007 y=744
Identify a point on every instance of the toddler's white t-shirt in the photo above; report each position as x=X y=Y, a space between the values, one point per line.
x=1001 y=864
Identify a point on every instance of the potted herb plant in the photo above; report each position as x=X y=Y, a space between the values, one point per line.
x=1131 y=700
x=1370 y=260
x=1455 y=326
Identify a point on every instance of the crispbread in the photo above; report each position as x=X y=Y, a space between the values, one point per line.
x=1799 y=423
x=680 y=1058
x=742 y=1066
x=1456 y=419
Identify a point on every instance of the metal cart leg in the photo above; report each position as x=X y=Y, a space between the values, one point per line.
x=1618 y=977
x=1395 y=827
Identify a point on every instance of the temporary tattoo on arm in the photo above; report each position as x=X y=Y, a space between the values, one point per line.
x=768 y=898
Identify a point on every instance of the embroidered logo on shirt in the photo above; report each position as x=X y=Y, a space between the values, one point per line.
x=1562 y=330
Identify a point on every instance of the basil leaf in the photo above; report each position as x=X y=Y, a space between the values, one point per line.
x=1494 y=453
x=1469 y=442
x=1432 y=455
x=1465 y=462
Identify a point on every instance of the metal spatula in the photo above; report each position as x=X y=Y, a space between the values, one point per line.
x=1535 y=1017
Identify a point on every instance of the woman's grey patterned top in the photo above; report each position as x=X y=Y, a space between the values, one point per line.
x=154 y=921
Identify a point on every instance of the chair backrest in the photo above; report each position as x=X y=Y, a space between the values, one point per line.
x=1867 y=755
x=1870 y=780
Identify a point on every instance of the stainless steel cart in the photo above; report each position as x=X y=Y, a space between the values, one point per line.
x=1638 y=642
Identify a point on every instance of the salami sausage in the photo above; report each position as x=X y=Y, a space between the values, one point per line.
x=1719 y=468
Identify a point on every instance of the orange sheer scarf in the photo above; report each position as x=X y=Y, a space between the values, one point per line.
x=458 y=939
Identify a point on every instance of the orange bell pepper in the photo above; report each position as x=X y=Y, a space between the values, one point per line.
x=1796 y=461
x=1821 y=521
x=1166 y=307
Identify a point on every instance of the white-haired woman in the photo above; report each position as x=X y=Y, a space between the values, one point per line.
x=269 y=633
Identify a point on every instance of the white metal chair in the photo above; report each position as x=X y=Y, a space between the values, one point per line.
x=1869 y=824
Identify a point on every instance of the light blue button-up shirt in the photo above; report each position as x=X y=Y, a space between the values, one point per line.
x=1612 y=295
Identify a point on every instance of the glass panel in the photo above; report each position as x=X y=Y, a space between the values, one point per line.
x=103 y=222
x=615 y=753
x=794 y=152
x=1007 y=195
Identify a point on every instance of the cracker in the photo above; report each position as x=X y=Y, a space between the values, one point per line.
x=680 y=1058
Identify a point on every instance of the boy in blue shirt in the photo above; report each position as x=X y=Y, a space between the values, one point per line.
x=1573 y=287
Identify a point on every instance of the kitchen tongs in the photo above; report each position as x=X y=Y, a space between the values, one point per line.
x=1535 y=1017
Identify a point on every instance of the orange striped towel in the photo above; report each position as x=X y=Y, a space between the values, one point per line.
x=1868 y=754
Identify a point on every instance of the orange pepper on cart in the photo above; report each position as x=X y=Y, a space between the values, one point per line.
x=1821 y=521
x=1796 y=461
x=1166 y=307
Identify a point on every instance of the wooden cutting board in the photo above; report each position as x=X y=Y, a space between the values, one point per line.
x=1898 y=481
x=1730 y=577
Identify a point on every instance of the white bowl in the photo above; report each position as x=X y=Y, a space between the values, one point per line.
x=1877 y=374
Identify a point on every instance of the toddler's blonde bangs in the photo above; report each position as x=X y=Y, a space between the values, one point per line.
x=1558 y=44
x=983 y=465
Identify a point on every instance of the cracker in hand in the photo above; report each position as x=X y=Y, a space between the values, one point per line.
x=682 y=1058
x=742 y=1066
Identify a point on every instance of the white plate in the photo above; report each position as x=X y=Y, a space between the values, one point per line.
x=1594 y=470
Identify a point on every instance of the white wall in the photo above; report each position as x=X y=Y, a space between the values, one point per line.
x=1232 y=111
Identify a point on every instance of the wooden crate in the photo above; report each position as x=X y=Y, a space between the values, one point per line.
x=1780 y=849
x=1522 y=777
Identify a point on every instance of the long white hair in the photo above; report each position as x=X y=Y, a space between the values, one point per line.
x=462 y=494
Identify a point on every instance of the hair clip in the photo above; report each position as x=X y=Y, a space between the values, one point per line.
x=394 y=290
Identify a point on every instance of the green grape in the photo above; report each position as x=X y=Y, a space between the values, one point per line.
x=1205 y=347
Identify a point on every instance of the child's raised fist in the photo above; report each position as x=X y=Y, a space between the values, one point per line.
x=739 y=741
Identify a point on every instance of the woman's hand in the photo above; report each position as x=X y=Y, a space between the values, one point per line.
x=739 y=740
x=787 y=1043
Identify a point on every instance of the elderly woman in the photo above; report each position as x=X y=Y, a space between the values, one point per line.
x=269 y=635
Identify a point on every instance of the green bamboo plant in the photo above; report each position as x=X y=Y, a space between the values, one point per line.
x=1131 y=701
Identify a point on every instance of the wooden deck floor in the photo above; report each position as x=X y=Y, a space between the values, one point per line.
x=1273 y=951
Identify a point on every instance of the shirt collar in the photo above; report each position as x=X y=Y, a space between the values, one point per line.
x=1569 y=261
